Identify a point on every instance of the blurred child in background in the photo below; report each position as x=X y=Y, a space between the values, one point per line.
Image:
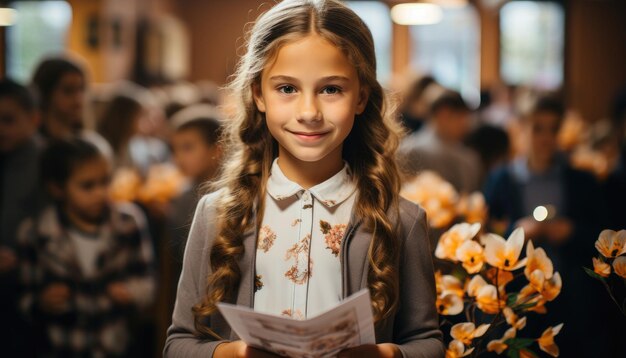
x=120 y=125
x=19 y=176
x=198 y=155
x=61 y=85
x=86 y=266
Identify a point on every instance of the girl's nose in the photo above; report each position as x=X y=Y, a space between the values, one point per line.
x=308 y=110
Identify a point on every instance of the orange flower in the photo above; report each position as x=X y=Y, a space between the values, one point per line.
x=546 y=341
x=473 y=207
x=548 y=289
x=619 y=266
x=452 y=239
x=537 y=260
x=124 y=185
x=435 y=195
x=448 y=284
x=504 y=254
x=513 y=319
x=467 y=331
x=456 y=349
x=470 y=253
x=552 y=287
x=449 y=304
x=162 y=184
x=498 y=345
x=504 y=277
x=486 y=295
x=601 y=268
x=611 y=244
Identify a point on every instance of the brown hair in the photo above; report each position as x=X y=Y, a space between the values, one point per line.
x=369 y=149
x=119 y=119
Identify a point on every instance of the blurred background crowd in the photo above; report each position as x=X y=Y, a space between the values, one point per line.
x=111 y=113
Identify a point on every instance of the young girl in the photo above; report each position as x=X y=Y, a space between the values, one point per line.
x=85 y=266
x=307 y=210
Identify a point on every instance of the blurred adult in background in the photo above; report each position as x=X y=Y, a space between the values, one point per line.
x=120 y=124
x=501 y=110
x=61 y=85
x=19 y=198
x=416 y=103
x=439 y=145
x=561 y=209
x=492 y=145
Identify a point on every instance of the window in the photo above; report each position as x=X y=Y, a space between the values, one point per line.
x=532 y=38
x=40 y=29
x=450 y=51
x=376 y=16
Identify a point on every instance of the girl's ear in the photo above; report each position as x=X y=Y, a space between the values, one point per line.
x=364 y=95
x=258 y=97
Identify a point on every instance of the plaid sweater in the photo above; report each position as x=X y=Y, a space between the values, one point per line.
x=92 y=324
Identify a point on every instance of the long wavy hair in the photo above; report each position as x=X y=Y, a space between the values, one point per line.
x=369 y=149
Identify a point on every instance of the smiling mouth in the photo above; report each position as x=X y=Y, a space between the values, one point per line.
x=309 y=136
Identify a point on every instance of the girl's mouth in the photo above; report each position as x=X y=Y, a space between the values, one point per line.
x=310 y=136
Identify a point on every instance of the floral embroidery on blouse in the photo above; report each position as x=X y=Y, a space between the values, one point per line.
x=299 y=253
x=266 y=238
x=258 y=284
x=296 y=315
x=332 y=236
x=296 y=222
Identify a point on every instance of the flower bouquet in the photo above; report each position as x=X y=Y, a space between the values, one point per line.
x=489 y=264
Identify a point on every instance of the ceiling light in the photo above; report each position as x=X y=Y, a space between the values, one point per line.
x=416 y=14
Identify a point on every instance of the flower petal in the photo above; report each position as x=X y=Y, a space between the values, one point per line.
x=461 y=331
x=482 y=329
x=601 y=268
x=475 y=284
x=494 y=249
x=619 y=266
x=515 y=242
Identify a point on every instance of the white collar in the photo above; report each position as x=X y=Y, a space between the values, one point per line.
x=331 y=192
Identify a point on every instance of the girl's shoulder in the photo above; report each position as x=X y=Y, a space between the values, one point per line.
x=410 y=213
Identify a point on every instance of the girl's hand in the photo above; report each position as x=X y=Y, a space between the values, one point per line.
x=383 y=350
x=239 y=349
x=119 y=293
x=54 y=298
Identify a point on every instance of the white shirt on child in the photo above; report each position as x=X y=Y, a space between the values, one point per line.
x=88 y=249
x=298 y=268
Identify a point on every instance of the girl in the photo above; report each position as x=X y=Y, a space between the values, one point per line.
x=307 y=210
x=85 y=266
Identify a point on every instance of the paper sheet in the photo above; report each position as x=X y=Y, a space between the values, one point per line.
x=347 y=325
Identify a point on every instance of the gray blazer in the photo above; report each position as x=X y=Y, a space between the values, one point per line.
x=414 y=327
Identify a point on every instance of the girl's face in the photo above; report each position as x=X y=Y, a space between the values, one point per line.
x=68 y=99
x=86 y=190
x=310 y=94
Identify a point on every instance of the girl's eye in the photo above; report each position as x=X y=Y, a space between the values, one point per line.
x=331 y=90
x=287 y=89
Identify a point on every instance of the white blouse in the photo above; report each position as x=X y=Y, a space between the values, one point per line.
x=298 y=269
